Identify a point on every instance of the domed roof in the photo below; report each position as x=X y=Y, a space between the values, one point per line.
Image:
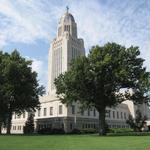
x=67 y=17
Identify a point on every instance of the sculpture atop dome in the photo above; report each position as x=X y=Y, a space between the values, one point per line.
x=67 y=9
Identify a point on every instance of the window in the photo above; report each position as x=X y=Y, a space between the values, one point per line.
x=94 y=125
x=108 y=113
x=113 y=114
x=125 y=117
x=121 y=116
x=86 y=126
x=60 y=109
x=94 y=112
x=15 y=116
x=73 y=109
x=57 y=63
x=72 y=52
x=117 y=115
x=44 y=113
x=82 y=126
x=65 y=28
x=88 y=112
x=51 y=111
x=82 y=112
x=69 y=28
x=59 y=31
x=91 y=125
x=19 y=127
x=39 y=112
x=24 y=115
x=62 y=126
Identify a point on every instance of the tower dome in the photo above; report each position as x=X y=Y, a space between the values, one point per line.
x=67 y=17
x=67 y=25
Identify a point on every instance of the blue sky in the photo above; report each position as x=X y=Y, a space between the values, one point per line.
x=30 y=26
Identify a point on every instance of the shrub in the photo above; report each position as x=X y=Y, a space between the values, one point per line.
x=129 y=134
x=51 y=131
x=138 y=122
x=29 y=125
x=90 y=130
x=45 y=131
x=120 y=130
x=75 y=131
x=58 y=131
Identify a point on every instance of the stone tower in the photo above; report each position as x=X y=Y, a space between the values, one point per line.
x=65 y=47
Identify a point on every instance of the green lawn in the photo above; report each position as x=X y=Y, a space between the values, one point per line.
x=74 y=142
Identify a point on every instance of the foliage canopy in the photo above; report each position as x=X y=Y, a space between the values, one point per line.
x=97 y=80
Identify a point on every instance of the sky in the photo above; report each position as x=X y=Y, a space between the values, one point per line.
x=30 y=25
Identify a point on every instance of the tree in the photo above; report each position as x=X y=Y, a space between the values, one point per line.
x=20 y=86
x=29 y=125
x=138 y=122
x=3 y=105
x=3 y=113
x=96 y=80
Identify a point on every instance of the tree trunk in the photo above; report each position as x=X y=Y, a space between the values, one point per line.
x=9 y=123
x=0 y=128
x=102 y=123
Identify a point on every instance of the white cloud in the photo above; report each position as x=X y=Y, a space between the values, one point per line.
x=42 y=70
x=99 y=21
x=2 y=40
x=126 y=22
x=38 y=65
x=24 y=21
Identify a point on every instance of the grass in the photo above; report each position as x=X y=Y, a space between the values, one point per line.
x=74 y=142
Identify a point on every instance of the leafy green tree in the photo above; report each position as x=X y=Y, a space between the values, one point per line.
x=96 y=80
x=3 y=115
x=138 y=122
x=20 y=86
x=29 y=125
x=3 y=104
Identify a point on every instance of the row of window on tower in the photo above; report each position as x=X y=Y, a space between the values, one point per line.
x=74 y=53
x=67 y=28
x=57 y=64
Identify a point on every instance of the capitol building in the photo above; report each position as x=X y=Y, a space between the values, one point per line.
x=52 y=113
